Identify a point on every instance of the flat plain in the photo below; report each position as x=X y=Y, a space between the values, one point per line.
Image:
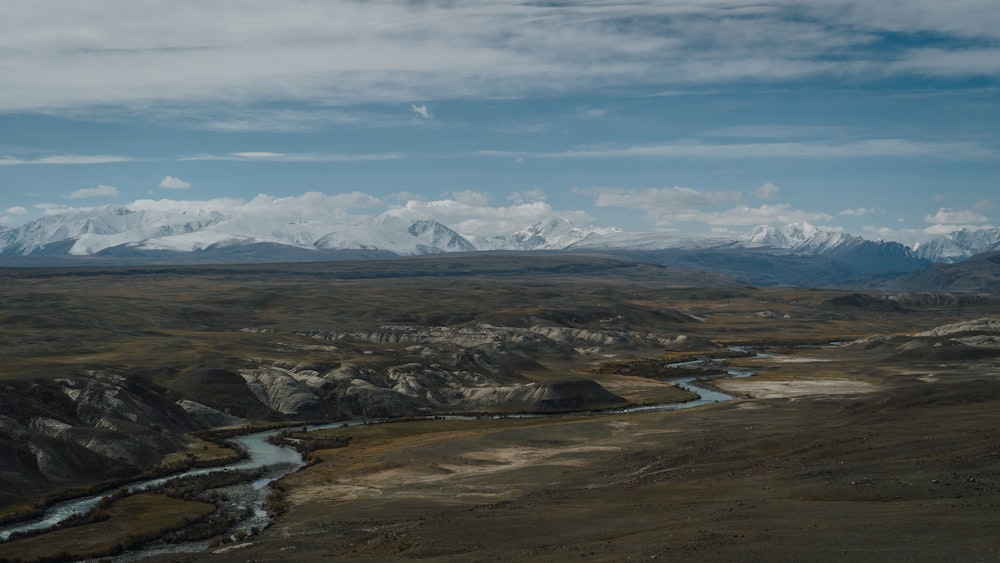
x=864 y=433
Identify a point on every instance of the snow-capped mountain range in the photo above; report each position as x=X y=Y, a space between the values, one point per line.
x=114 y=229
x=808 y=239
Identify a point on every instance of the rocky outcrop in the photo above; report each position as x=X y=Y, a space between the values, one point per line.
x=280 y=390
x=561 y=396
x=208 y=417
x=90 y=427
x=360 y=398
x=492 y=339
x=988 y=326
x=415 y=388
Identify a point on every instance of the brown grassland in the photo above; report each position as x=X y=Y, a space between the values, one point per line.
x=888 y=451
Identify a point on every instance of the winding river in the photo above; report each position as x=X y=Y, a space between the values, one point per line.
x=279 y=461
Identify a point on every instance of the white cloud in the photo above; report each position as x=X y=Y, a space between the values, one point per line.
x=174 y=183
x=310 y=206
x=65 y=159
x=278 y=120
x=858 y=212
x=422 y=111
x=251 y=156
x=468 y=216
x=258 y=155
x=524 y=128
x=591 y=113
x=472 y=198
x=781 y=213
x=329 y=53
x=902 y=148
x=6 y=221
x=659 y=198
x=528 y=196
x=405 y=196
x=766 y=191
x=946 y=216
x=99 y=191
x=663 y=206
x=17 y=210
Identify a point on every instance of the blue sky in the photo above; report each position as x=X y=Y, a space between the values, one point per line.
x=693 y=116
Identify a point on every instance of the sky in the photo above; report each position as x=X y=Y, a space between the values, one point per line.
x=704 y=117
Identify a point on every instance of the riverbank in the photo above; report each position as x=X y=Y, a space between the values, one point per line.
x=904 y=473
x=246 y=504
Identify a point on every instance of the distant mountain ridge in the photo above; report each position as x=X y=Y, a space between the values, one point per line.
x=863 y=255
x=122 y=231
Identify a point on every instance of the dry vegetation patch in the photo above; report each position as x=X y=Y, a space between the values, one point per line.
x=131 y=521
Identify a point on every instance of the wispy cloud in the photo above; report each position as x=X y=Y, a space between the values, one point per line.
x=663 y=207
x=268 y=156
x=528 y=196
x=676 y=197
x=716 y=211
x=781 y=213
x=858 y=212
x=949 y=63
x=65 y=159
x=862 y=148
x=99 y=191
x=902 y=148
x=946 y=216
x=17 y=210
x=342 y=52
x=767 y=191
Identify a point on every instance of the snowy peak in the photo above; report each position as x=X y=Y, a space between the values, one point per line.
x=800 y=237
x=95 y=229
x=959 y=245
x=394 y=235
x=439 y=238
x=864 y=256
x=788 y=236
x=177 y=227
x=553 y=233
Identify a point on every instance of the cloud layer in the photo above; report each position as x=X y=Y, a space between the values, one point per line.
x=101 y=191
x=343 y=52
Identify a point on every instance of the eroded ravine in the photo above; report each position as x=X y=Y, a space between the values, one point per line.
x=278 y=461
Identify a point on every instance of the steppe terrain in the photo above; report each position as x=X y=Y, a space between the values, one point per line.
x=869 y=430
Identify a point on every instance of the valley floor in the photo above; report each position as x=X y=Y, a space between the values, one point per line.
x=838 y=467
x=886 y=447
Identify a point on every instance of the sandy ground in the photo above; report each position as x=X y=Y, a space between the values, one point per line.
x=762 y=389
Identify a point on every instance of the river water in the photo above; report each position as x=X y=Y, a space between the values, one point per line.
x=280 y=461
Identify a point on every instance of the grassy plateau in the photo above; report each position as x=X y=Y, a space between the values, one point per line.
x=860 y=437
